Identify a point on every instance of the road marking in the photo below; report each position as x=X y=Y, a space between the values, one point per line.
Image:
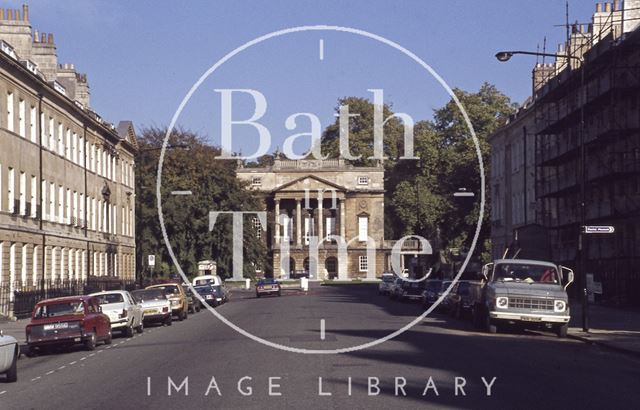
x=61 y=367
x=321 y=49
x=36 y=378
x=72 y=363
x=99 y=351
x=49 y=372
x=181 y=193
x=127 y=339
x=464 y=194
x=108 y=347
x=83 y=358
x=3 y=392
x=321 y=329
x=92 y=354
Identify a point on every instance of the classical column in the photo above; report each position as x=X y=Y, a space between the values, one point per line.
x=277 y=225
x=343 y=224
x=320 y=218
x=298 y=223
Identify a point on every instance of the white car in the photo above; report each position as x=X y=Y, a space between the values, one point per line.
x=125 y=314
x=9 y=352
x=213 y=280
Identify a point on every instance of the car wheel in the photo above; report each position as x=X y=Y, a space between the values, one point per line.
x=168 y=321
x=257 y=295
x=490 y=325
x=140 y=328
x=458 y=312
x=109 y=338
x=186 y=315
x=128 y=331
x=561 y=330
x=90 y=343
x=12 y=373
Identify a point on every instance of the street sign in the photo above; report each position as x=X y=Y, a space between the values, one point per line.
x=152 y=260
x=598 y=229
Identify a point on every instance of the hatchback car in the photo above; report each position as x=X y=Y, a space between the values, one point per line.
x=177 y=298
x=125 y=314
x=213 y=295
x=9 y=353
x=433 y=290
x=267 y=286
x=193 y=302
x=156 y=308
x=67 y=321
x=385 y=285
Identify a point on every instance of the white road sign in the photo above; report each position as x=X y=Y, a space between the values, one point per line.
x=152 y=260
x=598 y=229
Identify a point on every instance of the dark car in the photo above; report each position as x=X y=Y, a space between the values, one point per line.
x=267 y=286
x=460 y=299
x=67 y=321
x=432 y=292
x=213 y=295
x=194 y=303
x=411 y=290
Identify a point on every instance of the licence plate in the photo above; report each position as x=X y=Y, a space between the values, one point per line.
x=54 y=326
x=530 y=319
x=149 y=311
x=208 y=297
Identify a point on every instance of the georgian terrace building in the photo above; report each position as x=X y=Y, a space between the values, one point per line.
x=66 y=176
x=323 y=199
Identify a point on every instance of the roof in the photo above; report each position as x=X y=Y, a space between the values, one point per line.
x=525 y=261
x=66 y=299
x=105 y=292
x=309 y=176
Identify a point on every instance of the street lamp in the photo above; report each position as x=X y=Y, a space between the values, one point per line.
x=505 y=56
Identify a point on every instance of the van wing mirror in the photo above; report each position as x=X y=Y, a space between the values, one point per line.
x=486 y=270
x=570 y=276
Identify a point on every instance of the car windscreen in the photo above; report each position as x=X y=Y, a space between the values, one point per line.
x=388 y=278
x=107 y=298
x=266 y=282
x=169 y=289
x=59 y=309
x=522 y=272
x=150 y=294
x=203 y=290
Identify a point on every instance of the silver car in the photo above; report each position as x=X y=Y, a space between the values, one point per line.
x=9 y=352
x=384 y=288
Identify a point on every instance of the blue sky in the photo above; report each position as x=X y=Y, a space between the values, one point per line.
x=142 y=57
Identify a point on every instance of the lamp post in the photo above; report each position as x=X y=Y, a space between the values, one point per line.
x=505 y=56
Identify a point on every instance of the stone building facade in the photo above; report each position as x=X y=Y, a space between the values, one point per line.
x=66 y=176
x=327 y=199
x=602 y=85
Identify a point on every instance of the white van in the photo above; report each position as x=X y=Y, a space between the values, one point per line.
x=213 y=280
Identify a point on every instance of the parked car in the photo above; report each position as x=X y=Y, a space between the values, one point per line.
x=432 y=292
x=9 y=353
x=396 y=288
x=125 y=314
x=177 y=298
x=213 y=295
x=300 y=273
x=155 y=306
x=207 y=280
x=387 y=281
x=193 y=302
x=411 y=290
x=460 y=299
x=67 y=321
x=267 y=286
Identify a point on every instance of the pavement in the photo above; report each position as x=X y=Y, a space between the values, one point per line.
x=204 y=363
x=613 y=328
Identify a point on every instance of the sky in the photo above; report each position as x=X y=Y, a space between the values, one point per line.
x=143 y=57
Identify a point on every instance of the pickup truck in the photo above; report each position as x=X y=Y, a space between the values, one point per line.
x=528 y=293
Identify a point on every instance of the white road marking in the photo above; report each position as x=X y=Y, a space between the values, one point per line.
x=83 y=358
x=92 y=354
x=49 y=372
x=181 y=193
x=61 y=367
x=99 y=351
x=36 y=378
x=321 y=49
x=321 y=329
x=127 y=339
x=108 y=347
x=3 y=392
x=72 y=363
x=464 y=194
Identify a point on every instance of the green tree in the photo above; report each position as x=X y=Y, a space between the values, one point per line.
x=214 y=187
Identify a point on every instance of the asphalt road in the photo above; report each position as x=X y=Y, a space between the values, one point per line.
x=531 y=370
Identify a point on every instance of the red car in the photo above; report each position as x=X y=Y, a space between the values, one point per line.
x=67 y=321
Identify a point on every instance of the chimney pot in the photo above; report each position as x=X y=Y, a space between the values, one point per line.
x=17 y=14
x=607 y=7
x=36 y=36
x=9 y=14
x=615 y=5
x=1 y=14
x=50 y=38
x=25 y=12
x=43 y=37
x=597 y=7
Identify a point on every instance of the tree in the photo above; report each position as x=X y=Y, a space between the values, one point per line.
x=214 y=187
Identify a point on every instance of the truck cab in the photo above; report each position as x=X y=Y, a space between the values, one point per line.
x=528 y=293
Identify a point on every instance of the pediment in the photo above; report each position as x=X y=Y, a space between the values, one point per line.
x=311 y=183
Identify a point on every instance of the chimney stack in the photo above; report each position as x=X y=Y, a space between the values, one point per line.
x=615 y=5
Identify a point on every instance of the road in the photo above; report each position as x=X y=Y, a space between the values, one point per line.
x=532 y=369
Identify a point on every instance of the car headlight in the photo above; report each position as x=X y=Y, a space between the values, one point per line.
x=502 y=302
x=559 y=306
x=175 y=302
